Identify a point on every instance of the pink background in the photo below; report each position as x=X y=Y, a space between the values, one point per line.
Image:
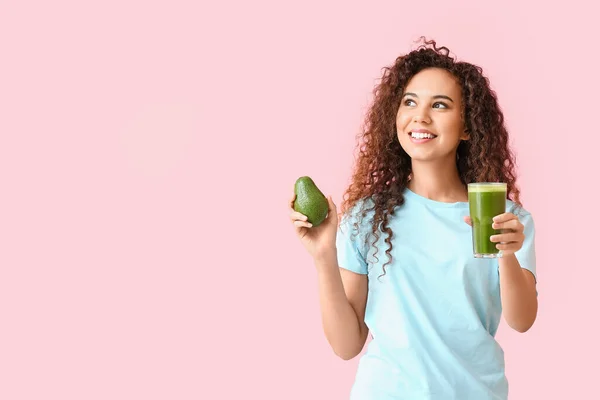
x=148 y=151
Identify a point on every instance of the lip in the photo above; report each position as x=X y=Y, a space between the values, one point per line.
x=419 y=141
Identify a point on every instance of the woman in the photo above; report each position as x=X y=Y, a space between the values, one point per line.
x=400 y=264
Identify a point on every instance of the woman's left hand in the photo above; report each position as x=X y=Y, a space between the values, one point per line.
x=511 y=239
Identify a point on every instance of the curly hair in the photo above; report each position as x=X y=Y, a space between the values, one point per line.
x=382 y=169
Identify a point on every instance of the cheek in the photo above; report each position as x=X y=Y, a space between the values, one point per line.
x=455 y=123
x=452 y=127
x=402 y=120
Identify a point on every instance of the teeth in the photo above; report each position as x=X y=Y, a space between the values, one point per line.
x=418 y=135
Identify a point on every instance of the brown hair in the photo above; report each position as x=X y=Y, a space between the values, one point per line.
x=382 y=169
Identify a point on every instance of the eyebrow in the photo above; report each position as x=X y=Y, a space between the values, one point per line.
x=437 y=96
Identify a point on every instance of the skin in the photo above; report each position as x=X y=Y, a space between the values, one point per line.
x=432 y=100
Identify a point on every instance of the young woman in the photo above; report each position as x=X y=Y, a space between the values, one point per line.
x=399 y=264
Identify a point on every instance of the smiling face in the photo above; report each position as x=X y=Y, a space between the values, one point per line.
x=429 y=120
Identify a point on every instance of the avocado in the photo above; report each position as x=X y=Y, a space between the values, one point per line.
x=310 y=201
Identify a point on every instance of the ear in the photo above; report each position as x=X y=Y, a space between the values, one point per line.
x=465 y=135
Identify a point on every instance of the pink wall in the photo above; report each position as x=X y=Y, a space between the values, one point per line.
x=147 y=153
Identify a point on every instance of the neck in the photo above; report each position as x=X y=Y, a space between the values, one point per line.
x=437 y=181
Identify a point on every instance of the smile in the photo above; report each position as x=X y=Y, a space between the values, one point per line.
x=421 y=137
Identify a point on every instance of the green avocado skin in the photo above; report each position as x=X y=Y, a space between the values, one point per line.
x=310 y=201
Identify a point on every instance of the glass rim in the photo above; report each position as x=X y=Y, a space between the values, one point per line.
x=478 y=187
x=475 y=184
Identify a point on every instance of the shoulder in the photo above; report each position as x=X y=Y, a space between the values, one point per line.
x=362 y=209
x=518 y=210
x=524 y=215
x=358 y=219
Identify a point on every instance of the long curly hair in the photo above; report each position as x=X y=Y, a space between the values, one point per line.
x=382 y=169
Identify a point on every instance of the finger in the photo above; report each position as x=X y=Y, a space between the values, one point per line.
x=468 y=220
x=332 y=206
x=513 y=224
x=508 y=248
x=504 y=217
x=292 y=199
x=508 y=237
x=302 y=224
x=296 y=216
x=332 y=213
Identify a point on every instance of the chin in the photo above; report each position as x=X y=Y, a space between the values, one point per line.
x=425 y=156
x=416 y=155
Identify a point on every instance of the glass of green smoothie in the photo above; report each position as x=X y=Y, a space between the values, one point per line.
x=486 y=200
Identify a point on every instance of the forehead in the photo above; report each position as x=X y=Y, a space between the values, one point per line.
x=434 y=81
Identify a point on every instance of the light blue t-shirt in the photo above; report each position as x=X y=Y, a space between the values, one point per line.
x=434 y=314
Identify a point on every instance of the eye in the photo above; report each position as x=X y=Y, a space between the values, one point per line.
x=441 y=105
x=409 y=102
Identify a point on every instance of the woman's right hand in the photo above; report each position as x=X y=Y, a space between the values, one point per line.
x=319 y=241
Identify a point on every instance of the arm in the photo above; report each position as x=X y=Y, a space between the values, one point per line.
x=518 y=294
x=517 y=284
x=342 y=293
x=343 y=298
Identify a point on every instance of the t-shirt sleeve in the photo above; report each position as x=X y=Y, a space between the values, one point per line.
x=526 y=254
x=348 y=245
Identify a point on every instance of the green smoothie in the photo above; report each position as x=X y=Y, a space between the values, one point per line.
x=486 y=200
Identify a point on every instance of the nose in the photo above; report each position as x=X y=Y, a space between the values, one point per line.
x=421 y=116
